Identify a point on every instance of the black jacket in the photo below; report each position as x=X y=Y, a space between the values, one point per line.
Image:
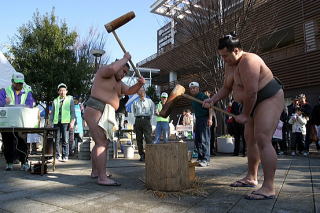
x=315 y=115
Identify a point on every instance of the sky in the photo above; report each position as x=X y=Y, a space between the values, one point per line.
x=139 y=36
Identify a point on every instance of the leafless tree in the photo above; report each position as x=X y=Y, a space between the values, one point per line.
x=202 y=22
x=199 y=25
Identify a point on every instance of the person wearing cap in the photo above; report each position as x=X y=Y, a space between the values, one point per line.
x=162 y=127
x=15 y=94
x=143 y=110
x=253 y=85
x=63 y=118
x=202 y=125
x=99 y=112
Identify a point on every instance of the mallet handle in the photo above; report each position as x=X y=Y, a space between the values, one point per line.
x=201 y=102
x=124 y=51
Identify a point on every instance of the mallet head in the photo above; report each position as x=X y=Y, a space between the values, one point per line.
x=177 y=91
x=118 y=22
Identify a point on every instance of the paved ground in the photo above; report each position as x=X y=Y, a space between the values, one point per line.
x=69 y=189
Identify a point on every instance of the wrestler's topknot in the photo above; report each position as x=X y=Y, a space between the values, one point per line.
x=229 y=41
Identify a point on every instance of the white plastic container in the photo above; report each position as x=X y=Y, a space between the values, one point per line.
x=128 y=151
x=19 y=116
x=225 y=145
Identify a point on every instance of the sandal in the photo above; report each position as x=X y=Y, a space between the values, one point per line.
x=110 y=184
x=259 y=196
x=96 y=176
x=242 y=183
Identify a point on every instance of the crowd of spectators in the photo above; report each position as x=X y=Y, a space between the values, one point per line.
x=65 y=114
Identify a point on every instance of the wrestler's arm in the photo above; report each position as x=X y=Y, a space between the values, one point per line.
x=109 y=70
x=126 y=90
x=249 y=70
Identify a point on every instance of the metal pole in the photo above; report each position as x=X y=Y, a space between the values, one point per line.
x=96 y=63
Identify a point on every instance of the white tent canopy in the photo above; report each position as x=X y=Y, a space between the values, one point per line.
x=6 y=71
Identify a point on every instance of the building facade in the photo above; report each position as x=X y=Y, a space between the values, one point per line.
x=284 y=33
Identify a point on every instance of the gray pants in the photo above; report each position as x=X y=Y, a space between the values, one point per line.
x=142 y=128
x=62 y=138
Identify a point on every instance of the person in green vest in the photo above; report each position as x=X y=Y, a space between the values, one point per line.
x=14 y=144
x=63 y=118
x=162 y=123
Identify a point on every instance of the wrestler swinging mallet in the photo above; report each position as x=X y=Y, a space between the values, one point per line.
x=115 y=24
x=179 y=91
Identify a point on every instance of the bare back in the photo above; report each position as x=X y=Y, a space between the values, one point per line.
x=107 y=90
x=250 y=74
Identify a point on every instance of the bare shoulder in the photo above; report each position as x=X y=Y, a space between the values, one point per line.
x=250 y=62
x=248 y=58
x=105 y=71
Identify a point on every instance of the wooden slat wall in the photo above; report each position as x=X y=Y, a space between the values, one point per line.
x=296 y=68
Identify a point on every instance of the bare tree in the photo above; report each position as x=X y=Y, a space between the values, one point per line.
x=199 y=25
x=83 y=47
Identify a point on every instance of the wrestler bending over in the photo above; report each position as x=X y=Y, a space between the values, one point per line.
x=106 y=90
x=261 y=95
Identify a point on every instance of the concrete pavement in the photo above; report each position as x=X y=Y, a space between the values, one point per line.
x=70 y=189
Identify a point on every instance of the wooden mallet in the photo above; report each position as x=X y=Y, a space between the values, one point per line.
x=115 y=24
x=178 y=92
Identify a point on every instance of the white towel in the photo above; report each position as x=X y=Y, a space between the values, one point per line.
x=108 y=121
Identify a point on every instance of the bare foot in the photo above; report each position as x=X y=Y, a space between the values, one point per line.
x=108 y=182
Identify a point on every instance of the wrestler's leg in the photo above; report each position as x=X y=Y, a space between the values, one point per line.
x=99 y=150
x=90 y=118
x=94 y=171
x=251 y=178
x=252 y=152
x=266 y=118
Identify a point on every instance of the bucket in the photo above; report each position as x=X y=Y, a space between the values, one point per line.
x=225 y=145
x=128 y=151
